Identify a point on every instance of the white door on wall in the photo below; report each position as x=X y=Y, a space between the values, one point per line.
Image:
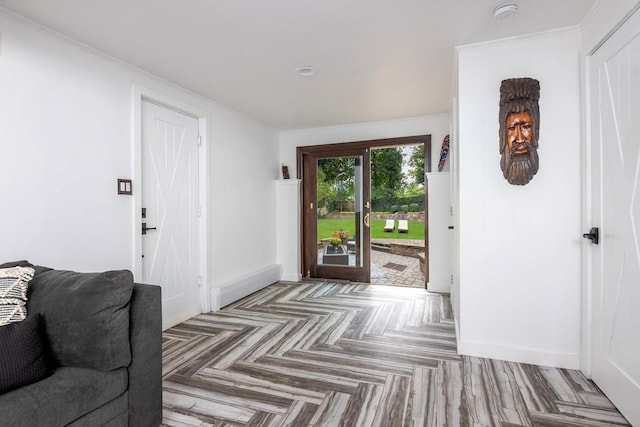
x=170 y=209
x=615 y=112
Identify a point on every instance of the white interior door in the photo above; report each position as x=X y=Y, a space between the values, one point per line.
x=615 y=112
x=170 y=202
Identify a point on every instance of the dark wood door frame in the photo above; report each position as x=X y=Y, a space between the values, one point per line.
x=337 y=149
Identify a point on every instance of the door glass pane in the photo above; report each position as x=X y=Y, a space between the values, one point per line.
x=339 y=207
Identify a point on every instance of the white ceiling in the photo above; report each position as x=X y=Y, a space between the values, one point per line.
x=376 y=59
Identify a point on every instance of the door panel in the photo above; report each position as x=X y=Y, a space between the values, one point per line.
x=170 y=202
x=342 y=181
x=615 y=87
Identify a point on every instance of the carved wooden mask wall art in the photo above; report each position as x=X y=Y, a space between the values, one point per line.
x=519 y=129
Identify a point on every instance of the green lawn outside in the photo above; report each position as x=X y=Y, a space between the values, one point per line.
x=326 y=228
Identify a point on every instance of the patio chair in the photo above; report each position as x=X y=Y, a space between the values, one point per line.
x=389 y=225
x=403 y=226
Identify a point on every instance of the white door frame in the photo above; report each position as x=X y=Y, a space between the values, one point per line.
x=140 y=94
x=586 y=221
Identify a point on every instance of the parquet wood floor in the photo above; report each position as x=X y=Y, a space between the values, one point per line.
x=327 y=354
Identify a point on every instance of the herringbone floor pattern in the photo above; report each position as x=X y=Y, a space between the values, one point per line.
x=306 y=354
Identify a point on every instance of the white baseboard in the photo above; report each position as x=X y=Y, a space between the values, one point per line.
x=520 y=355
x=291 y=277
x=240 y=287
x=439 y=287
x=170 y=323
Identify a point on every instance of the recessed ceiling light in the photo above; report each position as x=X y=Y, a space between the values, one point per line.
x=306 y=71
x=504 y=10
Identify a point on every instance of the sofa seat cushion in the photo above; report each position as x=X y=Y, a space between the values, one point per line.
x=86 y=316
x=61 y=398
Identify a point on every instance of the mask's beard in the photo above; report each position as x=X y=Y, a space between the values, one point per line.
x=518 y=169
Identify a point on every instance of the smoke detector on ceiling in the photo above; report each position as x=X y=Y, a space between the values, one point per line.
x=504 y=10
x=306 y=71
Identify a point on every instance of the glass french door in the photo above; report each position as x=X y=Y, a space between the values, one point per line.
x=336 y=218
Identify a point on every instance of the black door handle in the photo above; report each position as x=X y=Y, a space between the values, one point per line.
x=145 y=228
x=593 y=235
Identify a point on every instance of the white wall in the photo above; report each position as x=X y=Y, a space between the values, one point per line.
x=520 y=296
x=440 y=236
x=289 y=254
x=243 y=171
x=66 y=135
x=436 y=125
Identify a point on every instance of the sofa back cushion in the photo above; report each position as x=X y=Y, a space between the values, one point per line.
x=24 y=356
x=86 y=316
x=13 y=293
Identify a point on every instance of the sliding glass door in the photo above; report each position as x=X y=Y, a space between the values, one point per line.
x=336 y=206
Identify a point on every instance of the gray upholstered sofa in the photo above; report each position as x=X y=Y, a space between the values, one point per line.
x=104 y=335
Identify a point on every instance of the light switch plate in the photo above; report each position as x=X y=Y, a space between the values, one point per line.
x=124 y=186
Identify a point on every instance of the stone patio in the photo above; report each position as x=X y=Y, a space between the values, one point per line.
x=391 y=266
x=392 y=269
